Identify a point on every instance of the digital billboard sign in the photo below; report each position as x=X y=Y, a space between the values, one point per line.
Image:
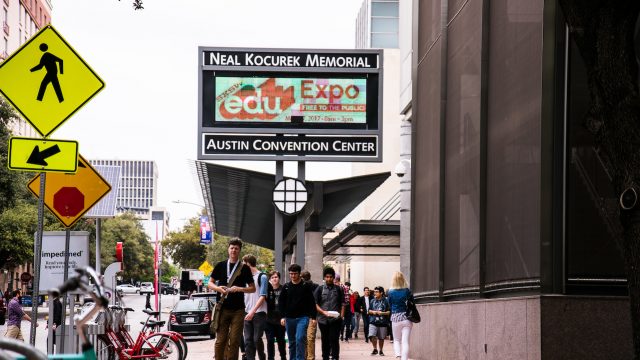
x=290 y=100
x=288 y=92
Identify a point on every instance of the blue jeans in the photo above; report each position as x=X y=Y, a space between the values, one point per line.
x=297 y=334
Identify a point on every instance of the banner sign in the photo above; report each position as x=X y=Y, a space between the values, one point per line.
x=290 y=59
x=271 y=147
x=205 y=230
x=52 y=264
x=196 y=275
x=291 y=92
x=290 y=100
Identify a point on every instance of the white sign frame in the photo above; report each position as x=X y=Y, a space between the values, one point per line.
x=52 y=257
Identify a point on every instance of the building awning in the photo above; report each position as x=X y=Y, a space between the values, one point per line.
x=239 y=202
x=366 y=240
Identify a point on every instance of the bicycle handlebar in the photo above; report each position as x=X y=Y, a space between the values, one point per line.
x=77 y=282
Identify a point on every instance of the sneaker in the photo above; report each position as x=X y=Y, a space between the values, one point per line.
x=374 y=352
x=381 y=353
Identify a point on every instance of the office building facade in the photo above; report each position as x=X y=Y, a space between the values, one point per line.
x=138 y=190
x=512 y=250
x=21 y=19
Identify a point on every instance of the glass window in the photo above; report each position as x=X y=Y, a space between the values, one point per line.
x=513 y=140
x=384 y=25
x=591 y=252
x=462 y=157
x=384 y=40
x=425 y=243
x=384 y=9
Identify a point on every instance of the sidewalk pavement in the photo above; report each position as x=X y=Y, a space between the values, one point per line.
x=356 y=349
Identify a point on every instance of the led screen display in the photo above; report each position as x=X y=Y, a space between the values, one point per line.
x=303 y=100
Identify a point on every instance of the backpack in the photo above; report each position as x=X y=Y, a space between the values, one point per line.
x=270 y=303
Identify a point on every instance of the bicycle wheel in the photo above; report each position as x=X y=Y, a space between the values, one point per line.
x=181 y=341
x=104 y=350
x=166 y=347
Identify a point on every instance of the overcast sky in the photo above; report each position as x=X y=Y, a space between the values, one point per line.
x=148 y=60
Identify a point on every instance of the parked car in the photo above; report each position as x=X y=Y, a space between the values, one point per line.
x=167 y=288
x=146 y=288
x=191 y=317
x=128 y=289
x=211 y=296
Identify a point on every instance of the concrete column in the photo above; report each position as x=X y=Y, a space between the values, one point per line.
x=285 y=270
x=313 y=254
x=405 y=201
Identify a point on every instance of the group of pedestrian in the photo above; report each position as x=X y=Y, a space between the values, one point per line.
x=255 y=304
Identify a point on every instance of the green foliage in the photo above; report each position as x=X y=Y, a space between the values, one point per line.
x=184 y=246
x=217 y=252
x=18 y=226
x=138 y=252
x=168 y=271
x=12 y=183
x=185 y=249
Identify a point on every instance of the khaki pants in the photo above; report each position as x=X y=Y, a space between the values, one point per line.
x=14 y=332
x=311 y=339
x=229 y=334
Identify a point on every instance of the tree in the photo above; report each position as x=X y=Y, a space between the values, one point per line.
x=12 y=183
x=138 y=252
x=604 y=33
x=168 y=271
x=184 y=246
x=137 y=4
x=185 y=249
x=217 y=252
x=17 y=228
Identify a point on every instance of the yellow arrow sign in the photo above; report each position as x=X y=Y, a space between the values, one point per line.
x=206 y=268
x=69 y=196
x=47 y=81
x=43 y=155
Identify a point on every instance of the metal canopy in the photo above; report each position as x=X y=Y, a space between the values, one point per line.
x=372 y=240
x=240 y=202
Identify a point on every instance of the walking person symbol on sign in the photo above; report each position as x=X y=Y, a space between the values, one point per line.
x=50 y=63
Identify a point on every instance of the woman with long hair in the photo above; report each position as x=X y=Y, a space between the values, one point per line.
x=398 y=295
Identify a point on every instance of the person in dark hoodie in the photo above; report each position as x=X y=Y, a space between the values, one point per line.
x=297 y=306
x=312 y=329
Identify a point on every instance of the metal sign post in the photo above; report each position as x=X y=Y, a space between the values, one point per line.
x=37 y=257
x=98 y=255
x=67 y=240
x=278 y=223
x=300 y=222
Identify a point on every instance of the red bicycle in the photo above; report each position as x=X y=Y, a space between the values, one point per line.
x=148 y=345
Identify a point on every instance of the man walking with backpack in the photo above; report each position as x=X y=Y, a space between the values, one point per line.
x=256 y=308
x=330 y=298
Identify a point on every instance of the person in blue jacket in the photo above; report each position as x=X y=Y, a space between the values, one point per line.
x=398 y=295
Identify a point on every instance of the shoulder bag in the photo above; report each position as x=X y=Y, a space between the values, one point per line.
x=217 y=309
x=412 y=312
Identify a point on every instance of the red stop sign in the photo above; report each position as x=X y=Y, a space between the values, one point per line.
x=68 y=201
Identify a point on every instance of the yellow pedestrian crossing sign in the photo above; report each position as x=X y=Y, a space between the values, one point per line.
x=206 y=267
x=47 y=81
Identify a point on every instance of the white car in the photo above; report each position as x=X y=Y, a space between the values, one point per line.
x=127 y=289
x=146 y=287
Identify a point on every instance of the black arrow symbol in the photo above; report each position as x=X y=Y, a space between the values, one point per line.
x=37 y=157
